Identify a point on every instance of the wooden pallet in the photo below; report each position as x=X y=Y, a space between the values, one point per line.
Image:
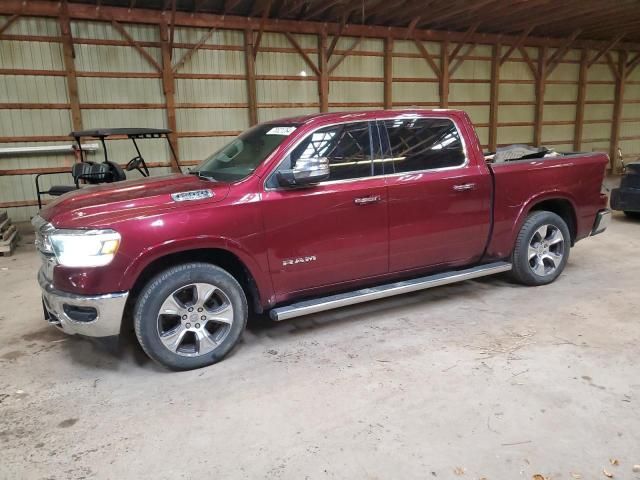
x=8 y=235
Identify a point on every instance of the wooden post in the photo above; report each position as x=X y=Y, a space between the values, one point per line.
x=494 y=97
x=323 y=78
x=70 y=69
x=540 y=87
x=444 y=74
x=250 y=66
x=168 y=86
x=617 y=111
x=582 y=92
x=388 y=73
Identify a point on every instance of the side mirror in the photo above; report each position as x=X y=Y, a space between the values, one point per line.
x=308 y=171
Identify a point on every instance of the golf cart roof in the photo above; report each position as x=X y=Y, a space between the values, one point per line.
x=129 y=132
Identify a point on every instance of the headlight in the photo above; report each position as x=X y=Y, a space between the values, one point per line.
x=84 y=248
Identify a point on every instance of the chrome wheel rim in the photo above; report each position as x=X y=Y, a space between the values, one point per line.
x=546 y=250
x=195 y=319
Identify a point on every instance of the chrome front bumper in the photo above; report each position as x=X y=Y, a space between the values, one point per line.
x=95 y=316
x=603 y=219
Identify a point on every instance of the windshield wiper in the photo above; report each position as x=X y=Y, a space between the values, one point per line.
x=202 y=174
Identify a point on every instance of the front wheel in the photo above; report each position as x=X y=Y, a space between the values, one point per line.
x=542 y=249
x=190 y=316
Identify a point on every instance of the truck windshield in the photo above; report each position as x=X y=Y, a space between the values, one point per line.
x=242 y=156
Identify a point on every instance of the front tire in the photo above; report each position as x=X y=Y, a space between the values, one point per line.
x=190 y=316
x=542 y=249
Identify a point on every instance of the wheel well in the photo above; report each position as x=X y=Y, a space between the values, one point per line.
x=221 y=258
x=563 y=209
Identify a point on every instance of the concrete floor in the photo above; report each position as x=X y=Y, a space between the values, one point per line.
x=480 y=379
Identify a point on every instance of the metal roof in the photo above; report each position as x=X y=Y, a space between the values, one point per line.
x=592 y=19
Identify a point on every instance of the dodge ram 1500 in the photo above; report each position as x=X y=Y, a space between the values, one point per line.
x=305 y=214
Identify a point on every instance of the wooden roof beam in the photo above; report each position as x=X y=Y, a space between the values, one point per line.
x=412 y=27
x=427 y=56
x=464 y=41
x=559 y=54
x=229 y=5
x=320 y=9
x=345 y=54
x=263 y=20
x=633 y=63
x=136 y=45
x=517 y=44
x=457 y=11
x=302 y=53
x=8 y=23
x=527 y=58
x=606 y=49
x=456 y=66
x=336 y=37
x=187 y=55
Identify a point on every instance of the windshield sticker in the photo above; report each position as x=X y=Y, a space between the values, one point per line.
x=281 y=131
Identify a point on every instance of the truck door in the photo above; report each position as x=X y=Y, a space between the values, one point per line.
x=337 y=230
x=439 y=200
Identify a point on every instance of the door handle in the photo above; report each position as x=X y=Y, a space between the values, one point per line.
x=464 y=187
x=367 y=200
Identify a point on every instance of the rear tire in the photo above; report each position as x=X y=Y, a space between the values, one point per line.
x=634 y=215
x=541 y=250
x=190 y=316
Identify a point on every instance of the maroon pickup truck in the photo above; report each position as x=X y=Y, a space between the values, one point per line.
x=306 y=214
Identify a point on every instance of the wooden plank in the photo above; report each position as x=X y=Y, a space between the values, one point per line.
x=429 y=58
x=540 y=89
x=8 y=233
x=561 y=52
x=444 y=74
x=7 y=247
x=137 y=45
x=70 y=70
x=494 y=95
x=582 y=93
x=168 y=87
x=304 y=55
x=250 y=66
x=617 y=112
x=607 y=48
x=5 y=223
x=323 y=80
x=187 y=55
x=517 y=44
x=8 y=23
x=388 y=73
x=345 y=54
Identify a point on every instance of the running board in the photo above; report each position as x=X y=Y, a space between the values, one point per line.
x=308 y=307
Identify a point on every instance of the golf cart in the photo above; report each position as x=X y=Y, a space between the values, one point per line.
x=108 y=171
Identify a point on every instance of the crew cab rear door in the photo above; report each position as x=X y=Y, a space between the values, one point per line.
x=335 y=231
x=439 y=200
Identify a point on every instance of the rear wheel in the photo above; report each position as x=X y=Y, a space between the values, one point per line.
x=190 y=316
x=542 y=249
x=634 y=215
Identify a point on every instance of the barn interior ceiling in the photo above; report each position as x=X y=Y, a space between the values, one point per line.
x=587 y=19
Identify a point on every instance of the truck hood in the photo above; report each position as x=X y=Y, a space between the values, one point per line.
x=107 y=204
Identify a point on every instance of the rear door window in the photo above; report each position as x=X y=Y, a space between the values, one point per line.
x=415 y=144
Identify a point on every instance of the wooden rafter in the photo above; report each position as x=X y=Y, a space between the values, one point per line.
x=464 y=41
x=136 y=45
x=559 y=54
x=336 y=37
x=412 y=27
x=321 y=8
x=470 y=48
x=8 y=23
x=263 y=20
x=612 y=65
x=187 y=55
x=347 y=52
x=631 y=64
x=452 y=12
x=229 y=5
x=302 y=53
x=517 y=44
x=527 y=58
x=428 y=57
x=607 y=48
